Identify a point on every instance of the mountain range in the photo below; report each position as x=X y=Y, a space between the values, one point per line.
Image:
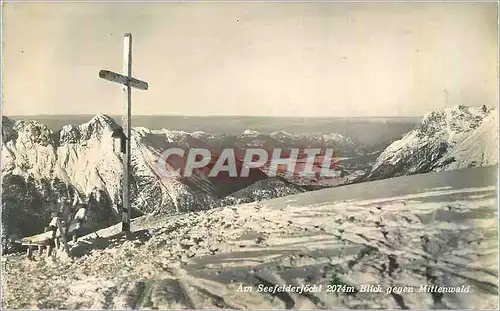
x=41 y=167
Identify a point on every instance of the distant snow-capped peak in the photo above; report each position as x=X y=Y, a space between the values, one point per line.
x=480 y=148
x=451 y=122
x=432 y=139
x=99 y=127
x=32 y=133
x=335 y=137
x=202 y=135
x=248 y=132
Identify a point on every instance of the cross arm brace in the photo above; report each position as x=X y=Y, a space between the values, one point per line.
x=121 y=79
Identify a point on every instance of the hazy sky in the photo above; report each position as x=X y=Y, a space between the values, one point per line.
x=266 y=59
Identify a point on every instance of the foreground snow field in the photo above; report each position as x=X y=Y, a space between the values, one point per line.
x=430 y=229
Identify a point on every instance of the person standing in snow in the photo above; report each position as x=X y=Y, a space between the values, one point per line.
x=54 y=228
x=77 y=223
x=63 y=212
x=68 y=214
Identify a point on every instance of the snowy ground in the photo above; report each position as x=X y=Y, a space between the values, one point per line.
x=435 y=229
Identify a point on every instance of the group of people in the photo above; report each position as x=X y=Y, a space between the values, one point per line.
x=62 y=219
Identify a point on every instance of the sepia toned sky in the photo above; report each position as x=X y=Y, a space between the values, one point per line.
x=259 y=59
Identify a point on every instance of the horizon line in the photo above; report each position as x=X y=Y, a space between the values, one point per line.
x=205 y=116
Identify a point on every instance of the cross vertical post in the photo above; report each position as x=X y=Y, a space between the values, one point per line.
x=128 y=82
x=127 y=125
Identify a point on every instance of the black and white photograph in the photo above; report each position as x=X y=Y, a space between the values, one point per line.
x=261 y=155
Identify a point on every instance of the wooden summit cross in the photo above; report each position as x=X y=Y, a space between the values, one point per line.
x=129 y=82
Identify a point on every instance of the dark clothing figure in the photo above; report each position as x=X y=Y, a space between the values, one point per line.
x=54 y=241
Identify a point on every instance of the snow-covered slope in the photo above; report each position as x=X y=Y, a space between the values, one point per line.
x=445 y=139
x=478 y=149
x=436 y=229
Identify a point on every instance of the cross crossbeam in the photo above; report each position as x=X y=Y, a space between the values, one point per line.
x=121 y=79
